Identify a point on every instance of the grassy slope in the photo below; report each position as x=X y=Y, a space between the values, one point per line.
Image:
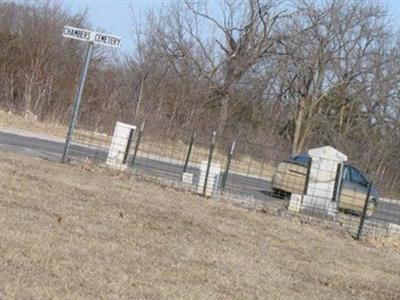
x=74 y=232
x=8 y=120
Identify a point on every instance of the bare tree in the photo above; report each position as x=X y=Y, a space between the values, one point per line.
x=244 y=37
x=294 y=74
x=330 y=53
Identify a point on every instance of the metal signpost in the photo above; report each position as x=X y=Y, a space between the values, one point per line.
x=91 y=37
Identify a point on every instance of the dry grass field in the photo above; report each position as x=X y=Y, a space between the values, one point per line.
x=8 y=120
x=79 y=232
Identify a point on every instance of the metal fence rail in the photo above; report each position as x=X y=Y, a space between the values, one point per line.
x=315 y=188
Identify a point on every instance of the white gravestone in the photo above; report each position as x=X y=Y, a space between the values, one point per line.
x=393 y=229
x=321 y=183
x=295 y=202
x=212 y=181
x=187 y=178
x=118 y=145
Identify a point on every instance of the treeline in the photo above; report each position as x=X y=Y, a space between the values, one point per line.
x=295 y=74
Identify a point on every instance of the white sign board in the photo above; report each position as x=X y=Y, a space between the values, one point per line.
x=91 y=36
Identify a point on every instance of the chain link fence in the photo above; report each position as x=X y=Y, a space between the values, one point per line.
x=320 y=184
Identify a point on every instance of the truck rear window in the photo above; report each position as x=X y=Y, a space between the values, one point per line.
x=302 y=159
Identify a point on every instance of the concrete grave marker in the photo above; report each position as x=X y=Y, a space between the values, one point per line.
x=187 y=178
x=119 y=144
x=295 y=202
x=212 y=181
x=321 y=183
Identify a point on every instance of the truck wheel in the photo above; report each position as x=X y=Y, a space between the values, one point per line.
x=371 y=207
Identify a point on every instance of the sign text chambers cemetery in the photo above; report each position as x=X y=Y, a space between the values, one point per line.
x=91 y=36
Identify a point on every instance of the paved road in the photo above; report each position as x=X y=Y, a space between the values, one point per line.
x=237 y=184
x=52 y=150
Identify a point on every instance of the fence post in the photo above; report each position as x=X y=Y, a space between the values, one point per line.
x=360 y=227
x=137 y=144
x=128 y=146
x=212 y=146
x=228 y=164
x=307 y=176
x=189 y=151
x=338 y=182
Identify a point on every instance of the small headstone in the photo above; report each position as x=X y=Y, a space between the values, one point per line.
x=295 y=203
x=213 y=178
x=393 y=229
x=187 y=178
